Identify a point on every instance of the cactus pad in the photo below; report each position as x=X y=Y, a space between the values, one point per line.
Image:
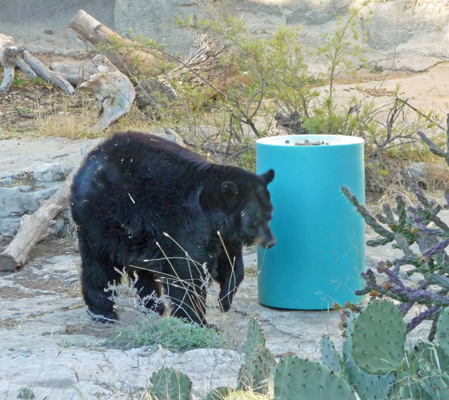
x=254 y=374
x=368 y=386
x=170 y=384
x=254 y=338
x=430 y=353
x=443 y=330
x=378 y=338
x=298 y=379
x=330 y=356
x=258 y=359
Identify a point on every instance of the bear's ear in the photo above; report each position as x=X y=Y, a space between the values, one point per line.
x=268 y=176
x=229 y=189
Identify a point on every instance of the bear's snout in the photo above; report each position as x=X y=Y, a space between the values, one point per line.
x=267 y=240
x=271 y=243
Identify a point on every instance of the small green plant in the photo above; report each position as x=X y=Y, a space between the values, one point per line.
x=39 y=81
x=25 y=393
x=19 y=82
x=169 y=332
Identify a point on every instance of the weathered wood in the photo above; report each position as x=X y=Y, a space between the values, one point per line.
x=45 y=74
x=113 y=91
x=202 y=64
x=11 y=56
x=75 y=72
x=124 y=58
x=33 y=228
x=8 y=55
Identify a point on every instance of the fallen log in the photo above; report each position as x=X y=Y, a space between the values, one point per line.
x=202 y=67
x=34 y=228
x=75 y=72
x=12 y=56
x=128 y=59
x=114 y=93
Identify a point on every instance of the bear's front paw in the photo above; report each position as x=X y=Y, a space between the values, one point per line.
x=214 y=327
x=108 y=317
x=224 y=304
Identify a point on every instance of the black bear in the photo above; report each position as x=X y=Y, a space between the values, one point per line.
x=147 y=205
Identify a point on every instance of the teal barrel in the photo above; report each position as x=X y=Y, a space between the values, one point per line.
x=320 y=248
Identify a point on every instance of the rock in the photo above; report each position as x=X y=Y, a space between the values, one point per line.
x=57 y=227
x=427 y=172
x=18 y=156
x=6 y=181
x=9 y=226
x=16 y=201
x=48 y=173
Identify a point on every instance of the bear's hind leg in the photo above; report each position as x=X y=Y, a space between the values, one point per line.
x=96 y=274
x=188 y=299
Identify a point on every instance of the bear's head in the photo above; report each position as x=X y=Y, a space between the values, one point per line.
x=249 y=196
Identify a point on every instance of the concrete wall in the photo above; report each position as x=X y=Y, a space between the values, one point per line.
x=27 y=21
x=408 y=29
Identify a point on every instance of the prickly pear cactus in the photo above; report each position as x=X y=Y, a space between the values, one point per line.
x=297 y=379
x=254 y=338
x=378 y=338
x=426 y=352
x=330 y=356
x=431 y=386
x=443 y=330
x=262 y=362
x=425 y=375
x=368 y=386
x=258 y=360
x=170 y=384
x=435 y=386
x=254 y=374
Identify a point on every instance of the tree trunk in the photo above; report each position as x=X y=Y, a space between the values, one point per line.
x=125 y=57
x=113 y=92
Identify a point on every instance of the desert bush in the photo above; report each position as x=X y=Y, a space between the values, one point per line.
x=413 y=225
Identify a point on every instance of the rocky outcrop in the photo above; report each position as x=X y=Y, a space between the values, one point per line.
x=400 y=31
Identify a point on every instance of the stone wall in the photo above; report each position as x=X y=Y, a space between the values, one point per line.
x=409 y=30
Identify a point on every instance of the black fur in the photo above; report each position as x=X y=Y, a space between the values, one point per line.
x=134 y=189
